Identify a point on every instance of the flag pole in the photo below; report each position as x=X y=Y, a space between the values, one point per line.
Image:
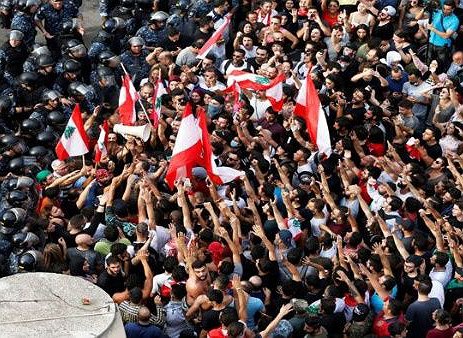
x=138 y=98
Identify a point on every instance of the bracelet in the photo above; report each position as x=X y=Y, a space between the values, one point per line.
x=101 y=205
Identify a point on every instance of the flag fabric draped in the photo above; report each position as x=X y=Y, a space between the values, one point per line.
x=192 y=149
x=74 y=141
x=102 y=142
x=308 y=107
x=247 y=80
x=159 y=91
x=218 y=175
x=218 y=34
x=127 y=98
x=273 y=87
x=235 y=90
x=187 y=148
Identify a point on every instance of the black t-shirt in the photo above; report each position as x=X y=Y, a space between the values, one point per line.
x=434 y=151
x=271 y=279
x=384 y=32
x=358 y=114
x=111 y=284
x=420 y=316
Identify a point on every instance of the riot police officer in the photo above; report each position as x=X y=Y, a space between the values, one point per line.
x=50 y=19
x=155 y=31
x=23 y=20
x=134 y=60
x=75 y=50
x=71 y=73
x=13 y=53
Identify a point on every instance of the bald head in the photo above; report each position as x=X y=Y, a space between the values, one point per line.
x=458 y=57
x=256 y=281
x=84 y=240
x=144 y=315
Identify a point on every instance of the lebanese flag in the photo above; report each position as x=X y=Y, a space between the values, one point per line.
x=74 y=141
x=247 y=80
x=218 y=175
x=192 y=148
x=127 y=98
x=101 y=148
x=275 y=93
x=159 y=90
x=235 y=90
x=308 y=107
x=187 y=149
x=209 y=44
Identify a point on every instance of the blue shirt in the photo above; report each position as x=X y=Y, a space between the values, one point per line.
x=377 y=303
x=137 y=330
x=397 y=86
x=443 y=24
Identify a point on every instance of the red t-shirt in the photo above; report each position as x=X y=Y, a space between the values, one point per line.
x=376 y=149
x=217 y=333
x=330 y=20
x=381 y=325
x=435 y=333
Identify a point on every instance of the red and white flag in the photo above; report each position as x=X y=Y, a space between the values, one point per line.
x=275 y=93
x=218 y=175
x=192 y=149
x=308 y=107
x=159 y=90
x=101 y=149
x=273 y=87
x=235 y=90
x=127 y=98
x=247 y=80
x=74 y=141
x=218 y=34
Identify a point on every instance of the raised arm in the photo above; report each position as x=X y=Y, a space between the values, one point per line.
x=259 y=232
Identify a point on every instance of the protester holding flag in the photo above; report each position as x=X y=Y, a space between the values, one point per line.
x=293 y=190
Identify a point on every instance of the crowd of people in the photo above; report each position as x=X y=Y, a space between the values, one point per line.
x=362 y=240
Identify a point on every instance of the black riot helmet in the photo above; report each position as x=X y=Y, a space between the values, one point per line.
x=39 y=151
x=16 y=165
x=16 y=198
x=128 y=3
x=159 y=17
x=8 y=141
x=25 y=240
x=104 y=37
x=12 y=219
x=72 y=66
x=75 y=48
x=78 y=89
x=20 y=182
x=29 y=79
x=30 y=127
x=56 y=118
x=28 y=261
x=109 y=59
x=112 y=25
x=46 y=138
x=50 y=95
x=6 y=104
x=45 y=60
